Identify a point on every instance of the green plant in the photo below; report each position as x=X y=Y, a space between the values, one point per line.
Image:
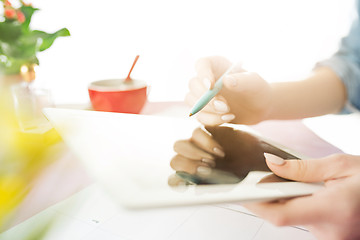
x=18 y=43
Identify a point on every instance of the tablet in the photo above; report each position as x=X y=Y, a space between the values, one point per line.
x=129 y=155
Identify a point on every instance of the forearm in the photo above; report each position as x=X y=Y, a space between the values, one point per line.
x=321 y=93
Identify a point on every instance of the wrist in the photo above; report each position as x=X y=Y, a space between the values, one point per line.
x=270 y=109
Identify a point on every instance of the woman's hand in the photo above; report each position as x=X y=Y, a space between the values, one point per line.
x=332 y=213
x=245 y=97
x=197 y=155
x=219 y=149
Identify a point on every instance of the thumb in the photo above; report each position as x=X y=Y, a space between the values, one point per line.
x=314 y=170
x=249 y=82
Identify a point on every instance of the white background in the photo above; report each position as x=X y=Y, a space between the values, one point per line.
x=279 y=39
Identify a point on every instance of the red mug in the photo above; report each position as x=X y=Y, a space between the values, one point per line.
x=118 y=95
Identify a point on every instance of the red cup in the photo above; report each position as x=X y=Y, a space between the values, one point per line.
x=118 y=95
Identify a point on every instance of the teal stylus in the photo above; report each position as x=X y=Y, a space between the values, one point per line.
x=210 y=94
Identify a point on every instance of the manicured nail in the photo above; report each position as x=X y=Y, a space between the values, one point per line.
x=274 y=159
x=210 y=162
x=220 y=106
x=219 y=152
x=231 y=80
x=203 y=170
x=207 y=83
x=227 y=117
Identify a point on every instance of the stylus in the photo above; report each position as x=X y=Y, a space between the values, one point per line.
x=210 y=94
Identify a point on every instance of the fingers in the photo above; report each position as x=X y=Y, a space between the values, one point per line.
x=197 y=89
x=216 y=105
x=197 y=155
x=213 y=119
x=314 y=170
x=247 y=95
x=191 y=151
x=191 y=100
x=311 y=209
x=214 y=113
x=297 y=211
x=208 y=69
x=206 y=142
x=174 y=180
x=181 y=163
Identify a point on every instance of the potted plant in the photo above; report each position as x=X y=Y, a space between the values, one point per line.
x=19 y=44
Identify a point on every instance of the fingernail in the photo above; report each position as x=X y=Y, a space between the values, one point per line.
x=220 y=106
x=207 y=83
x=210 y=162
x=203 y=170
x=274 y=159
x=231 y=80
x=219 y=152
x=227 y=117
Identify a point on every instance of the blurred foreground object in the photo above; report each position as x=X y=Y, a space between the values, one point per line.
x=23 y=155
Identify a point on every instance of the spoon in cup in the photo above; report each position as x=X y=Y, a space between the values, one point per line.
x=128 y=79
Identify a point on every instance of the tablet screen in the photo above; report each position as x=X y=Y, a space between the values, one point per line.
x=244 y=152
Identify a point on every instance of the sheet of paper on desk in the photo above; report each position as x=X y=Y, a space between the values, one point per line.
x=91 y=215
x=130 y=154
x=342 y=131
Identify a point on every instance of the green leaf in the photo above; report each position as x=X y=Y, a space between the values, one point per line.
x=10 y=31
x=48 y=39
x=28 y=11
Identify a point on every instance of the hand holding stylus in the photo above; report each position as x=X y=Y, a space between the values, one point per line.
x=210 y=94
x=241 y=97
